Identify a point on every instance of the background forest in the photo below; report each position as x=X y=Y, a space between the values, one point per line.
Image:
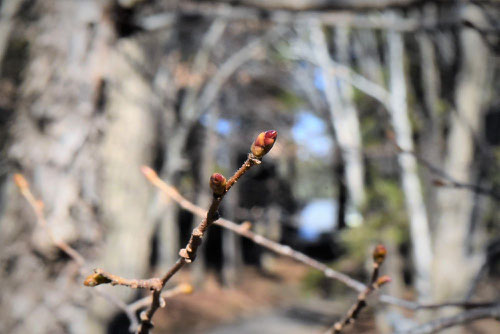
x=388 y=121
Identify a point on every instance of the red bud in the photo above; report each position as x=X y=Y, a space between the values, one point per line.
x=218 y=183
x=263 y=143
x=379 y=254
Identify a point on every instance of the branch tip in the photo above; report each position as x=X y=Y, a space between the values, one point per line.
x=379 y=254
x=96 y=279
x=263 y=143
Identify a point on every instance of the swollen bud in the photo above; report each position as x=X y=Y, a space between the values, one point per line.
x=379 y=254
x=218 y=183
x=96 y=279
x=263 y=143
x=383 y=280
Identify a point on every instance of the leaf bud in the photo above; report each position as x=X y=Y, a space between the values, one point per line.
x=263 y=143
x=379 y=254
x=218 y=184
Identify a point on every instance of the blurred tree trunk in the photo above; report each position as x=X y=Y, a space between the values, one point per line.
x=126 y=146
x=56 y=133
x=455 y=205
x=343 y=115
x=419 y=226
x=431 y=142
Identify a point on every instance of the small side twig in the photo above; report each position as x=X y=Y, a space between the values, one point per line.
x=101 y=277
x=375 y=283
x=37 y=207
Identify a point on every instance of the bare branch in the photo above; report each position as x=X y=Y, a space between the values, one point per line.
x=212 y=87
x=37 y=206
x=464 y=317
x=244 y=231
x=375 y=283
x=101 y=277
x=220 y=187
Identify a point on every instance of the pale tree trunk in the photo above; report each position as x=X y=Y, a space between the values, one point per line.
x=419 y=227
x=55 y=138
x=431 y=142
x=454 y=268
x=343 y=115
x=127 y=145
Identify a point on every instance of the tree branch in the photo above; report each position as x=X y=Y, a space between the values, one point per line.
x=244 y=231
x=220 y=187
x=464 y=317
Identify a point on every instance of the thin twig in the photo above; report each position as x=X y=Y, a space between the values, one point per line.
x=375 y=283
x=37 y=207
x=461 y=318
x=102 y=277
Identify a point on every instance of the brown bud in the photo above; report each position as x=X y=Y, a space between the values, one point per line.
x=383 y=280
x=96 y=279
x=379 y=254
x=20 y=181
x=218 y=183
x=263 y=143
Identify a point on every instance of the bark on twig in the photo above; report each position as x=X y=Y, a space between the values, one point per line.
x=102 y=277
x=375 y=283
